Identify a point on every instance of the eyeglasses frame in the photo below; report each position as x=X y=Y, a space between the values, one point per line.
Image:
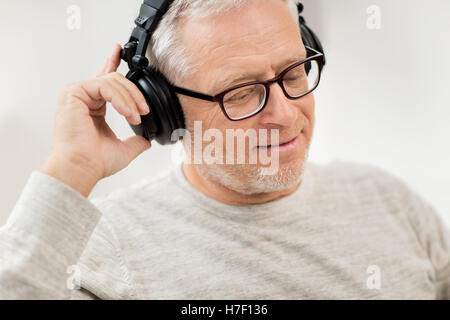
x=317 y=56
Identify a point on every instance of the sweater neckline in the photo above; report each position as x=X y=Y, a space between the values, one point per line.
x=252 y=212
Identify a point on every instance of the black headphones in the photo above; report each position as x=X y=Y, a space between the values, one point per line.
x=166 y=114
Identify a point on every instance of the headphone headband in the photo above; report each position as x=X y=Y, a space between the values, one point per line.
x=150 y=14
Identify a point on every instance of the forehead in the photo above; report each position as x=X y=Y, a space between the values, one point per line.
x=255 y=36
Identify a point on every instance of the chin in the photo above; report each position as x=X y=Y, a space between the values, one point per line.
x=287 y=176
x=250 y=179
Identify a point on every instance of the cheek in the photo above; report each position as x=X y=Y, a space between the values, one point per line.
x=200 y=118
x=206 y=113
x=307 y=107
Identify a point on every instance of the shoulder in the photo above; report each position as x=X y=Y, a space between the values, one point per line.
x=344 y=170
x=358 y=177
x=379 y=181
x=369 y=185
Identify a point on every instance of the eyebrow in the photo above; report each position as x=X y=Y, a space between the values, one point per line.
x=240 y=77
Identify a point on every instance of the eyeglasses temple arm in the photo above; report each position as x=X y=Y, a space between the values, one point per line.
x=193 y=94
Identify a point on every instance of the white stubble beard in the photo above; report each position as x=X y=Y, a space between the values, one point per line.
x=249 y=179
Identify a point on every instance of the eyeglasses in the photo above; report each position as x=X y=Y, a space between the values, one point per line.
x=247 y=99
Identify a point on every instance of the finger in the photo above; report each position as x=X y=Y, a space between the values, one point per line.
x=100 y=89
x=126 y=95
x=102 y=70
x=134 y=146
x=135 y=93
x=112 y=62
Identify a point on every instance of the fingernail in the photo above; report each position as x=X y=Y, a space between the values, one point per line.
x=145 y=107
x=137 y=117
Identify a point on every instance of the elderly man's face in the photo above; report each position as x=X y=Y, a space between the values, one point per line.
x=256 y=41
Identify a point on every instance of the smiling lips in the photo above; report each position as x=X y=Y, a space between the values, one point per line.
x=285 y=146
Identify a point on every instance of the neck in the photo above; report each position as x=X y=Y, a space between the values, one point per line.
x=222 y=194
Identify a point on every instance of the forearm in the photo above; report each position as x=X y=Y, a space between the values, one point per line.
x=45 y=235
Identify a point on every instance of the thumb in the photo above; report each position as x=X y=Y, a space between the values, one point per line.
x=135 y=145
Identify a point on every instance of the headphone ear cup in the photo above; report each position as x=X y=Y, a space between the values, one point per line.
x=157 y=113
x=170 y=99
x=162 y=113
x=165 y=114
x=168 y=112
x=149 y=125
x=309 y=38
x=306 y=36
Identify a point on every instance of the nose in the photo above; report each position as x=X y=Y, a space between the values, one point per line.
x=279 y=111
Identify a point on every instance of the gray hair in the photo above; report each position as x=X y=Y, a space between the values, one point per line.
x=165 y=52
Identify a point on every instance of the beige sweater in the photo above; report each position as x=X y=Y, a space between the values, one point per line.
x=350 y=231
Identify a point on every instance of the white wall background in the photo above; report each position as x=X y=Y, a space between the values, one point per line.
x=384 y=96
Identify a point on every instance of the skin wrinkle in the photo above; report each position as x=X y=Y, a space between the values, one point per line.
x=167 y=52
x=226 y=43
x=252 y=60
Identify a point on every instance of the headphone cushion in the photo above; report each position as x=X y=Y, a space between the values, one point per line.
x=160 y=124
x=169 y=110
x=171 y=101
x=162 y=100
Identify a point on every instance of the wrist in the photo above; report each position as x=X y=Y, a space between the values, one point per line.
x=81 y=179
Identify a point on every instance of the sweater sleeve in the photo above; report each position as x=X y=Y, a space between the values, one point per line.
x=43 y=239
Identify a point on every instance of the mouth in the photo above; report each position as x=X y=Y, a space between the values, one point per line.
x=283 y=146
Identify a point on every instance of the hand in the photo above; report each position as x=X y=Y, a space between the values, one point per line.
x=85 y=149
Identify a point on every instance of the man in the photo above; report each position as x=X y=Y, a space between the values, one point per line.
x=216 y=230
